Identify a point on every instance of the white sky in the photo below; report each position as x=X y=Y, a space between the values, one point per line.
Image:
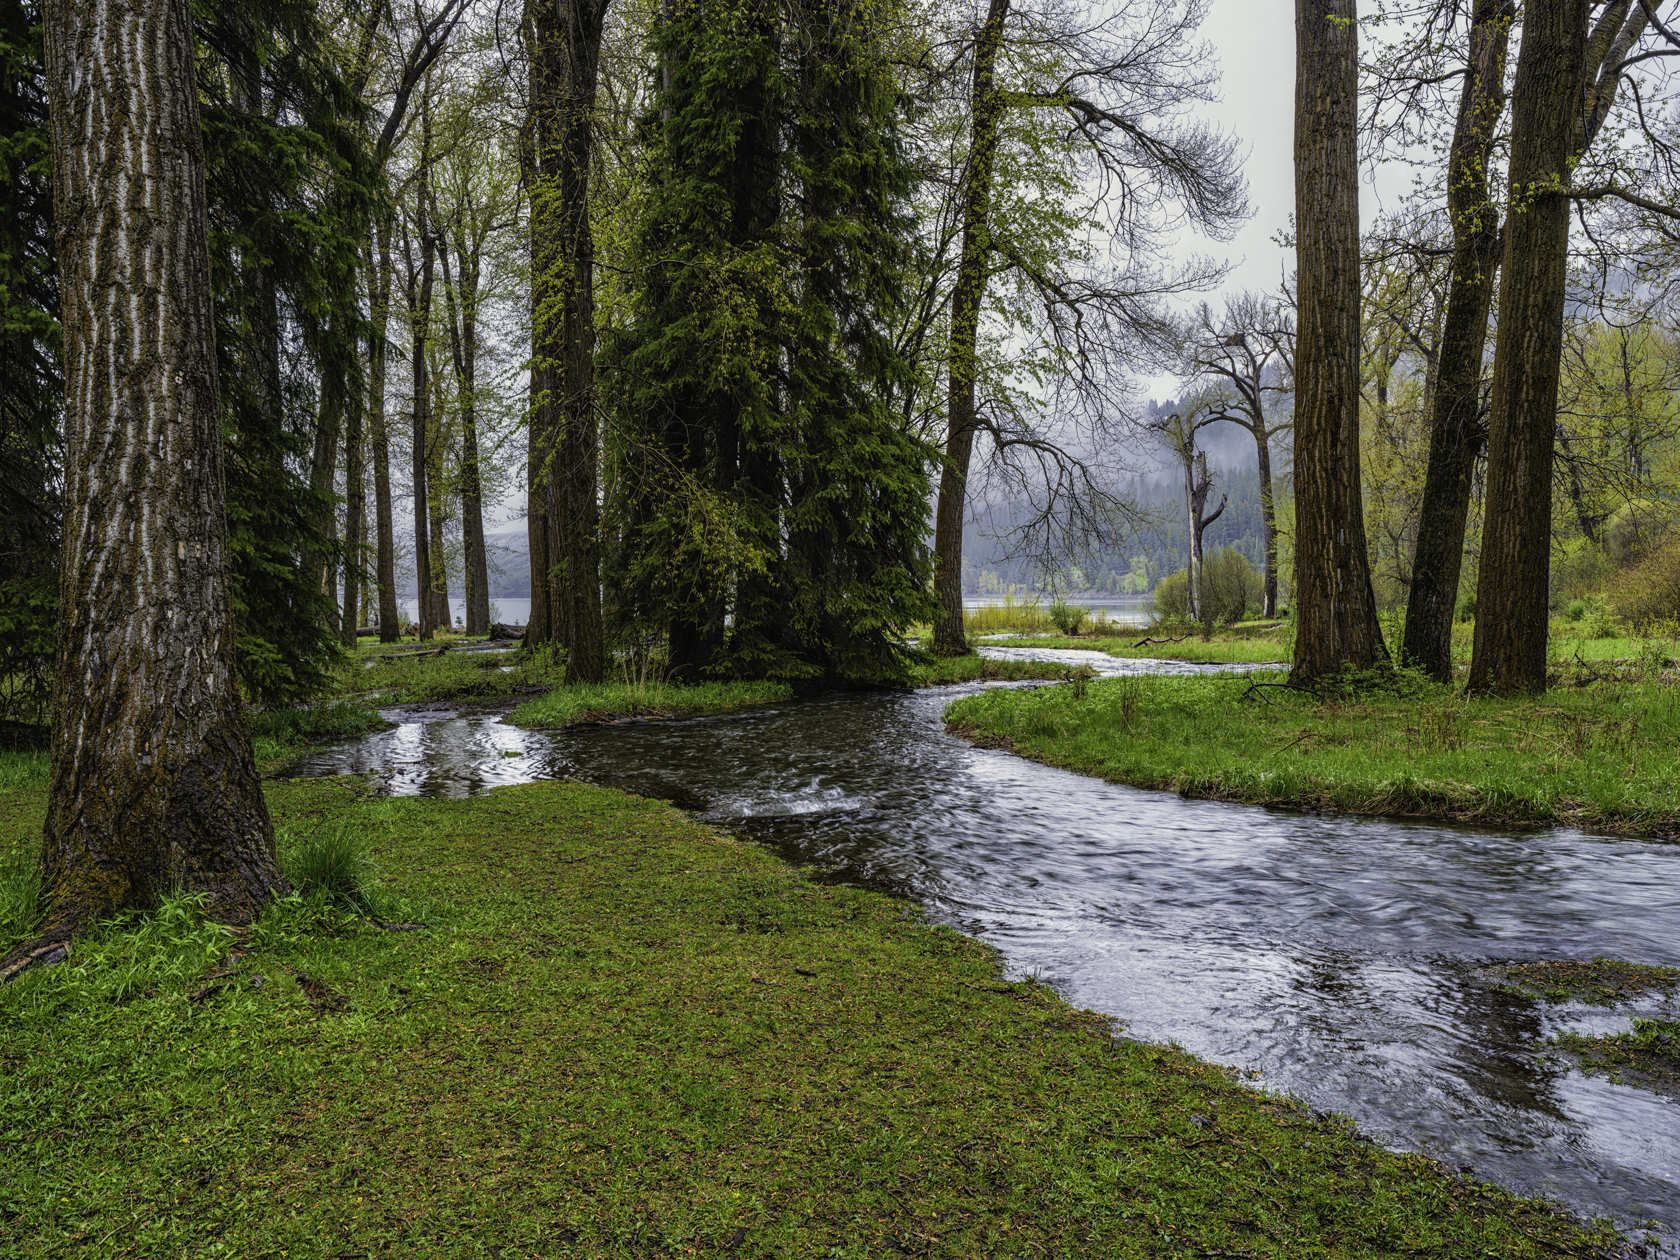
x=1255 y=44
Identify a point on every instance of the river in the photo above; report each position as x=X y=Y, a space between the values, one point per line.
x=1337 y=958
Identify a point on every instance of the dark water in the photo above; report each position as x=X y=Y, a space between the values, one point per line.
x=1336 y=957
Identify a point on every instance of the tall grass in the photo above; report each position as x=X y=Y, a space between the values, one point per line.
x=1009 y=617
x=330 y=864
x=23 y=770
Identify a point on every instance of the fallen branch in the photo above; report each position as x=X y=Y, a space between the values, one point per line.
x=1288 y=686
x=1180 y=639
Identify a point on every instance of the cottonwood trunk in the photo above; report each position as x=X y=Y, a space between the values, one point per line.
x=1335 y=607
x=1457 y=430
x=1513 y=583
x=464 y=344
x=153 y=782
x=986 y=107
x=565 y=74
x=419 y=313
x=1268 y=521
x=354 y=513
x=378 y=260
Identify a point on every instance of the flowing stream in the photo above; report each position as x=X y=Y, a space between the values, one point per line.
x=1335 y=957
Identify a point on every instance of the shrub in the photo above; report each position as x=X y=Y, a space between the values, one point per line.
x=1230 y=587
x=1647 y=592
x=1068 y=618
x=1577 y=609
x=1171 y=599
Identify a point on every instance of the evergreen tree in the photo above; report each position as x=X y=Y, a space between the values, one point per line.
x=770 y=503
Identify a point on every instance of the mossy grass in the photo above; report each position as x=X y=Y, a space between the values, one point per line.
x=1600 y=757
x=1646 y=1056
x=588 y=703
x=944 y=670
x=624 y=1033
x=384 y=677
x=1601 y=982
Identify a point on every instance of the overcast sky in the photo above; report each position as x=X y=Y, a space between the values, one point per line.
x=1255 y=44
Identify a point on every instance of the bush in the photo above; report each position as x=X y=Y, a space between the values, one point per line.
x=1230 y=587
x=1067 y=618
x=1577 y=609
x=1171 y=599
x=1646 y=594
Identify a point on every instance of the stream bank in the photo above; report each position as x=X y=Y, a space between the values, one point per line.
x=626 y=1032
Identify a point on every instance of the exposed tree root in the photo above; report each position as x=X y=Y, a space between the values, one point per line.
x=45 y=952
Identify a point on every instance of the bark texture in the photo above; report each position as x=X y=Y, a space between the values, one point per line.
x=1513 y=585
x=420 y=279
x=377 y=260
x=565 y=73
x=153 y=782
x=463 y=340
x=966 y=299
x=1457 y=430
x=1335 y=608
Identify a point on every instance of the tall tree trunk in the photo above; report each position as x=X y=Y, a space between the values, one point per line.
x=1513 y=583
x=153 y=782
x=463 y=341
x=1335 y=607
x=564 y=73
x=1456 y=429
x=419 y=312
x=378 y=259
x=436 y=481
x=323 y=473
x=986 y=106
x=354 y=513
x=1268 y=520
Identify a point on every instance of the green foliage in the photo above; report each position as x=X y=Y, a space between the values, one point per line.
x=1646 y=594
x=1231 y=589
x=758 y=371
x=31 y=376
x=1170 y=601
x=1067 y=618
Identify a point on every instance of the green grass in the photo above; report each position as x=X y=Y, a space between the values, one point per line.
x=959 y=669
x=585 y=703
x=1227 y=649
x=23 y=770
x=1647 y=1055
x=623 y=1033
x=279 y=735
x=1601 y=982
x=471 y=676
x=1599 y=757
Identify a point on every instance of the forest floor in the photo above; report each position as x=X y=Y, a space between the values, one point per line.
x=616 y=1032
x=1599 y=756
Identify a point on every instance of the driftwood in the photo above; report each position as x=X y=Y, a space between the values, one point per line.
x=1180 y=639
x=500 y=633
x=397 y=656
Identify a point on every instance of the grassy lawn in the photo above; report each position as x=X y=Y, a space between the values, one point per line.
x=622 y=1033
x=1600 y=756
x=960 y=669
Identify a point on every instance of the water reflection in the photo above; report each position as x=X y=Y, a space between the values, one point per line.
x=1337 y=957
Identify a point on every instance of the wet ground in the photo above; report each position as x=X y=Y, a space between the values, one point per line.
x=1343 y=959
